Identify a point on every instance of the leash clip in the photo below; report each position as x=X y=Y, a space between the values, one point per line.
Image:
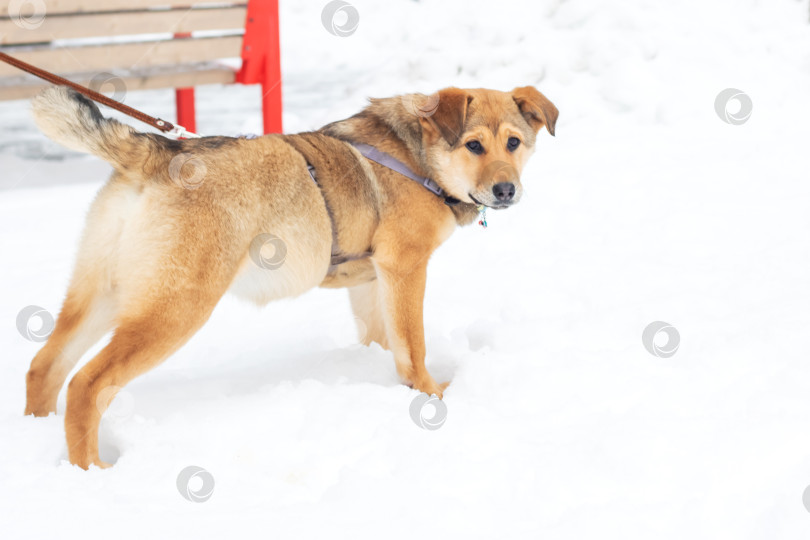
x=182 y=133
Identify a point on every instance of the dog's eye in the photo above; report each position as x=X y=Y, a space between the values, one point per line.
x=475 y=147
x=512 y=144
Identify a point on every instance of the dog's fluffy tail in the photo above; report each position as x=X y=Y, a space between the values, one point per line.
x=74 y=121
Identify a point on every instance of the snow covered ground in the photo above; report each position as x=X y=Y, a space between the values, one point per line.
x=560 y=424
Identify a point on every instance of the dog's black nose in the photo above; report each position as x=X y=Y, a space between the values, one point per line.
x=504 y=191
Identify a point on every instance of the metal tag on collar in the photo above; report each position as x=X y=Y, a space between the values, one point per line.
x=482 y=215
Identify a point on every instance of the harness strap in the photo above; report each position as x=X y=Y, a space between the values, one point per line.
x=336 y=256
x=389 y=161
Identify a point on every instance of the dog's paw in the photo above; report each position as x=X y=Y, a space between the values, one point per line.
x=431 y=388
x=37 y=406
x=95 y=463
x=39 y=411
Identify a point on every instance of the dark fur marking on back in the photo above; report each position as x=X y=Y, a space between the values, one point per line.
x=210 y=143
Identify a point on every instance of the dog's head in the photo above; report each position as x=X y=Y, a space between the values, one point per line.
x=476 y=142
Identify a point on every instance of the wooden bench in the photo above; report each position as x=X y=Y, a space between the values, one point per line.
x=146 y=44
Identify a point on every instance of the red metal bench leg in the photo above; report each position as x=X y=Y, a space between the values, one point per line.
x=184 y=97
x=271 y=87
x=261 y=59
x=271 y=106
x=184 y=100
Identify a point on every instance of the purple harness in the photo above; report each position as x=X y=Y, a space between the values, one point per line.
x=386 y=160
x=389 y=161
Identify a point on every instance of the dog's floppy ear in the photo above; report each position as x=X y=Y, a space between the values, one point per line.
x=536 y=108
x=449 y=116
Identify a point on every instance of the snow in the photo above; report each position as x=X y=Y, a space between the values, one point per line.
x=645 y=207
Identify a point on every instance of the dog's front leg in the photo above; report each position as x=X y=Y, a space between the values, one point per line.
x=403 y=293
x=368 y=311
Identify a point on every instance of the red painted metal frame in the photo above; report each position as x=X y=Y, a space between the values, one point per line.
x=261 y=59
x=184 y=101
x=184 y=98
x=261 y=64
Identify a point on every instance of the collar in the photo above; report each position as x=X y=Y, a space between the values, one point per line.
x=387 y=160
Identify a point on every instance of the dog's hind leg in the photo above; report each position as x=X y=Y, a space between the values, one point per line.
x=84 y=319
x=141 y=341
x=167 y=289
x=89 y=307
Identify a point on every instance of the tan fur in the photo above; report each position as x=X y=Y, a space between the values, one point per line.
x=163 y=243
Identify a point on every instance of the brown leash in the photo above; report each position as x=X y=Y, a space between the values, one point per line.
x=156 y=123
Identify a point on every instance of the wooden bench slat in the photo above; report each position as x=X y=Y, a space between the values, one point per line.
x=63 y=60
x=133 y=82
x=53 y=7
x=117 y=24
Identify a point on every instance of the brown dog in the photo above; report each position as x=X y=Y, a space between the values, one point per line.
x=164 y=241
